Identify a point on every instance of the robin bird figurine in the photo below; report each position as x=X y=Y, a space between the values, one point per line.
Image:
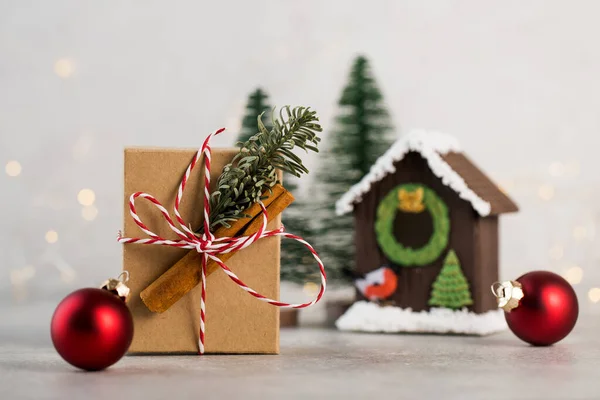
x=378 y=285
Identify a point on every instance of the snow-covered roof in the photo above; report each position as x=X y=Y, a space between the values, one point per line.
x=432 y=146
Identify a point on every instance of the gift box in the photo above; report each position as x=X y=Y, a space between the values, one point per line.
x=235 y=322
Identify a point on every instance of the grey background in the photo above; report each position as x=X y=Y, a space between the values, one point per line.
x=515 y=81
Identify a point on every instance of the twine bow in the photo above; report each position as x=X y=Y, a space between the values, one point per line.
x=209 y=246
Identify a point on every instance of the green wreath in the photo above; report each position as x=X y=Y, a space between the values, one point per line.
x=384 y=228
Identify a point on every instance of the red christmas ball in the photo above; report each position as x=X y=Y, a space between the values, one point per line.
x=92 y=329
x=547 y=311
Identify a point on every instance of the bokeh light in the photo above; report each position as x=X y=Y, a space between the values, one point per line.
x=594 y=295
x=13 y=168
x=546 y=192
x=310 y=288
x=86 y=197
x=51 y=236
x=574 y=275
x=64 y=68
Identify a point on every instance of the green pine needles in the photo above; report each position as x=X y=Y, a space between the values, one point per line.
x=253 y=171
x=451 y=289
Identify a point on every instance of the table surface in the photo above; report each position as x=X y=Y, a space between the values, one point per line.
x=321 y=363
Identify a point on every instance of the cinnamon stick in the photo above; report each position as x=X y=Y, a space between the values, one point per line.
x=182 y=277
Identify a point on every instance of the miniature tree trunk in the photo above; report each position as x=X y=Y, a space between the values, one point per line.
x=451 y=289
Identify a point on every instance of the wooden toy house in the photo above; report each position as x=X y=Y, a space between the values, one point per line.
x=422 y=206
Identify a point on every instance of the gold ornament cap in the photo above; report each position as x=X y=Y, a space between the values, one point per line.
x=117 y=286
x=508 y=294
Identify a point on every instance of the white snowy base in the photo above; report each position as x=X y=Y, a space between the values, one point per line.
x=370 y=317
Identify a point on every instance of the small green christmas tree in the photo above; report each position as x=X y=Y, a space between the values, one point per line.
x=451 y=289
x=297 y=264
x=363 y=132
x=257 y=104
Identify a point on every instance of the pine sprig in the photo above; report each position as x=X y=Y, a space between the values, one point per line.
x=253 y=171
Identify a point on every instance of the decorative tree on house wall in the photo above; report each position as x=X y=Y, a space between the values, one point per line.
x=363 y=132
x=297 y=265
x=451 y=289
x=256 y=105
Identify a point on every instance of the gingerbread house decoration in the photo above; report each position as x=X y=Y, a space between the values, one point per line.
x=429 y=214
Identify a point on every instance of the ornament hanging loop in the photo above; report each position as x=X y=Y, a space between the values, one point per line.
x=497 y=289
x=123 y=277
x=117 y=286
x=508 y=294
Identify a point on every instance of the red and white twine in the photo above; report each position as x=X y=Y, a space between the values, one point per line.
x=209 y=246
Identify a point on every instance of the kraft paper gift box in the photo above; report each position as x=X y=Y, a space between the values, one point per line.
x=235 y=321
